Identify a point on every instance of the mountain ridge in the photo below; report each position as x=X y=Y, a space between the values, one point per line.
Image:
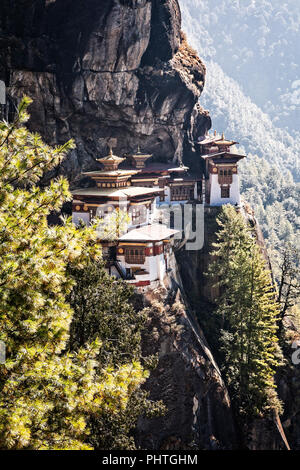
x=273 y=152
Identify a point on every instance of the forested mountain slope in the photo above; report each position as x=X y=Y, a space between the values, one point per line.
x=244 y=74
x=256 y=42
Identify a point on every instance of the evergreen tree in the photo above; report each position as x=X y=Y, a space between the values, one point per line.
x=289 y=281
x=102 y=309
x=249 y=310
x=48 y=394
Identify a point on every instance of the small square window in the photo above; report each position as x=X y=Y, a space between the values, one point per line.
x=225 y=192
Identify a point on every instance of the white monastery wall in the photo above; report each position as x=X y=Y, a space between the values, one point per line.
x=215 y=191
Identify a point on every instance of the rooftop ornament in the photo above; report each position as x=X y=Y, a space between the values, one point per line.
x=111 y=161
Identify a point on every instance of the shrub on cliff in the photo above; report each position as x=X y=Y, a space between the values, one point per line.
x=48 y=394
x=247 y=304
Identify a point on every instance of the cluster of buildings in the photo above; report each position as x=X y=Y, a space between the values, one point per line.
x=139 y=187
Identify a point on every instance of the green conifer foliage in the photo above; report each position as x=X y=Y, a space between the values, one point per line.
x=47 y=394
x=102 y=308
x=247 y=304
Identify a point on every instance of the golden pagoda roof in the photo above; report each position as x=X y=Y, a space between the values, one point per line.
x=154 y=232
x=118 y=172
x=132 y=191
x=140 y=154
x=111 y=158
x=224 y=141
x=217 y=140
x=223 y=155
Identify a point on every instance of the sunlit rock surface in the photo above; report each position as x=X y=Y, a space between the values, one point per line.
x=115 y=72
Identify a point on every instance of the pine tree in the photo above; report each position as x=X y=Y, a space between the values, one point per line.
x=48 y=395
x=102 y=308
x=289 y=281
x=249 y=310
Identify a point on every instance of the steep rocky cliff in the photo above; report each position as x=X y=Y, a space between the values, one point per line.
x=265 y=433
x=109 y=72
x=187 y=377
x=288 y=379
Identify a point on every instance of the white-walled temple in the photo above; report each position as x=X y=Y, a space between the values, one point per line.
x=177 y=185
x=144 y=253
x=114 y=190
x=138 y=187
x=141 y=255
x=221 y=171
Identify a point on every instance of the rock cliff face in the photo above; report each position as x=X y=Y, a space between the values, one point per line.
x=109 y=72
x=263 y=434
x=187 y=377
x=289 y=382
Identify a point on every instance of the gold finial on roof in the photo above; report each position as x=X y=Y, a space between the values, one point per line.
x=215 y=133
x=110 y=159
x=223 y=136
x=139 y=149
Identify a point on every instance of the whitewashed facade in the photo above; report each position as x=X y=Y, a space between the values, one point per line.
x=216 y=198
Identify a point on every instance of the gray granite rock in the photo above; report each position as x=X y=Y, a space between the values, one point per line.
x=109 y=72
